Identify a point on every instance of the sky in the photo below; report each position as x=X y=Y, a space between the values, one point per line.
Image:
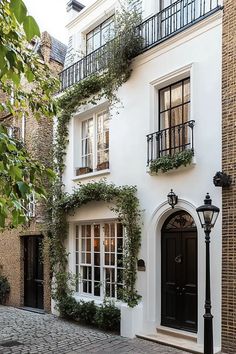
x=51 y=16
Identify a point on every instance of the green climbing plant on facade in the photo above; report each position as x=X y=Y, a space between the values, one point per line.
x=120 y=52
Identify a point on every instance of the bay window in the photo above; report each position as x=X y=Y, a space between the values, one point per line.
x=99 y=259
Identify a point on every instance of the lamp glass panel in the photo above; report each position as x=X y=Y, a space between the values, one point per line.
x=214 y=218
x=208 y=214
x=201 y=218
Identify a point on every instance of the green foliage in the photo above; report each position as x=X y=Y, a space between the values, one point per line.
x=170 y=162
x=86 y=312
x=17 y=60
x=108 y=316
x=105 y=316
x=4 y=289
x=20 y=177
x=119 y=53
x=127 y=209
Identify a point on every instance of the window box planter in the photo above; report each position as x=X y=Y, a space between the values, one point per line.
x=103 y=166
x=82 y=171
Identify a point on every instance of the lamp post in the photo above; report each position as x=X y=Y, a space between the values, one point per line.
x=208 y=214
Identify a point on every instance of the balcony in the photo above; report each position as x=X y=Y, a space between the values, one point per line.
x=156 y=29
x=170 y=141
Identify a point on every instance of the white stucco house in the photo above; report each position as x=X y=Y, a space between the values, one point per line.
x=171 y=103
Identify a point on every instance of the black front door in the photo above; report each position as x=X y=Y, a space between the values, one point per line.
x=33 y=272
x=179 y=272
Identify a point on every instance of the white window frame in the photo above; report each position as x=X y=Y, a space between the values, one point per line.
x=102 y=266
x=95 y=150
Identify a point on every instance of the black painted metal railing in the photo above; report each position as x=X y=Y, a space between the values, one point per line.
x=170 y=140
x=168 y=22
x=175 y=18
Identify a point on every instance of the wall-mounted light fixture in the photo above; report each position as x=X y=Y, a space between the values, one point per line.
x=172 y=199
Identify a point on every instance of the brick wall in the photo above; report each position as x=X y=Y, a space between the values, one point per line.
x=38 y=140
x=229 y=166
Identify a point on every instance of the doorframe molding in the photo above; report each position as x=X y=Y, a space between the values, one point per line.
x=159 y=216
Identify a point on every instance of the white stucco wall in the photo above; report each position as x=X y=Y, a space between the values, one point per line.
x=197 y=52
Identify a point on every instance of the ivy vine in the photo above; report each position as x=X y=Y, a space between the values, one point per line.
x=126 y=206
x=120 y=52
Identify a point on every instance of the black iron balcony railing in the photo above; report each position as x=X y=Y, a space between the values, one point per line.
x=165 y=24
x=174 y=18
x=170 y=140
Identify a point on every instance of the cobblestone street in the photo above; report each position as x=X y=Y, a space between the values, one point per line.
x=26 y=332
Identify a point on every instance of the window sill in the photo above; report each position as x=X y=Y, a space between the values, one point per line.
x=175 y=170
x=97 y=300
x=91 y=174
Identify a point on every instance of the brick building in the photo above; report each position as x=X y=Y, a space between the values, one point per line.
x=20 y=248
x=228 y=165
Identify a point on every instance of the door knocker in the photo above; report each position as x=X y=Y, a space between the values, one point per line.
x=178 y=259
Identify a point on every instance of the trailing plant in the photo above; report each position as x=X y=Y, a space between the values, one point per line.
x=117 y=57
x=170 y=162
x=119 y=53
x=127 y=208
x=4 y=289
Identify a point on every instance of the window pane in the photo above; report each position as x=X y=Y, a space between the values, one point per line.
x=88 y=245
x=176 y=94
x=164 y=120
x=186 y=112
x=96 y=40
x=97 y=273
x=187 y=90
x=96 y=230
x=119 y=227
x=164 y=99
x=97 y=259
x=176 y=116
x=97 y=244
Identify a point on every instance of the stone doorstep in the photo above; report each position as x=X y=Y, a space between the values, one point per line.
x=175 y=339
x=32 y=309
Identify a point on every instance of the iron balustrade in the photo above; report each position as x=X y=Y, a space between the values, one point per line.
x=170 y=140
x=175 y=18
x=166 y=23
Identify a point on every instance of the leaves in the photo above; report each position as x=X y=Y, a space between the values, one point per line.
x=31 y=28
x=18 y=60
x=127 y=210
x=170 y=162
x=18 y=8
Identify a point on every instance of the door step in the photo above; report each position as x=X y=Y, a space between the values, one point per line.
x=32 y=309
x=174 y=339
x=177 y=333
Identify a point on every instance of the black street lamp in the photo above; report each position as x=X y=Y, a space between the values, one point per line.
x=208 y=214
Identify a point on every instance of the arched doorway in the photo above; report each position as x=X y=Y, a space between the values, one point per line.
x=179 y=272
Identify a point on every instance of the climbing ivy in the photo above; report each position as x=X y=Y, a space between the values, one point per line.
x=126 y=206
x=119 y=53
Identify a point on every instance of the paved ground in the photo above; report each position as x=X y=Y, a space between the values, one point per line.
x=26 y=332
